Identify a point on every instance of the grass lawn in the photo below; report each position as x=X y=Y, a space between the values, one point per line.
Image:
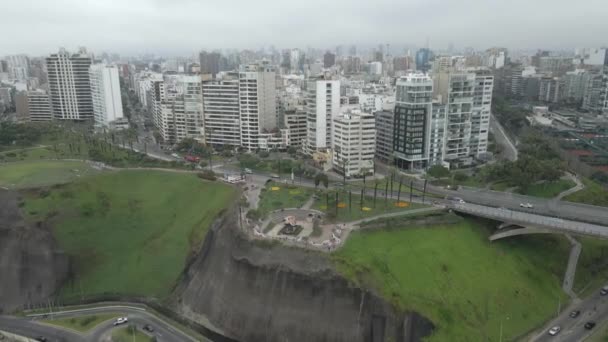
x=500 y=186
x=129 y=334
x=279 y=195
x=592 y=270
x=42 y=173
x=129 y=232
x=548 y=189
x=82 y=323
x=453 y=275
x=593 y=194
x=350 y=209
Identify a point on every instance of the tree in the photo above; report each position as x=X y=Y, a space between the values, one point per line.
x=438 y=171
x=321 y=178
x=460 y=176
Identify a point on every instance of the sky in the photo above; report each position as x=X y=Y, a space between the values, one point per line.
x=39 y=27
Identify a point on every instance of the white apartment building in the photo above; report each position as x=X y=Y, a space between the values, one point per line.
x=481 y=113
x=596 y=94
x=437 y=134
x=322 y=105
x=456 y=91
x=221 y=111
x=412 y=125
x=105 y=91
x=296 y=123
x=69 y=85
x=354 y=143
x=178 y=110
x=258 y=103
x=375 y=68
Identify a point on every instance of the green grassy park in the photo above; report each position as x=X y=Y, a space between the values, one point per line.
x=129 y=334
x=351 y=209
x=451 y=274
x=547 y=189
x=278 y=195
x=42 y=173
x=593 y=194
x=82 y=323
x=128 y=232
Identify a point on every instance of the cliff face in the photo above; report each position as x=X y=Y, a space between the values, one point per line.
x=258 y=292
x=31 y=266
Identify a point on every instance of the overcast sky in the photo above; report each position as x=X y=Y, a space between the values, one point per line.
x=39 y=27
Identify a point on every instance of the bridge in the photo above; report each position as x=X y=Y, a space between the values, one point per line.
x=523 y=223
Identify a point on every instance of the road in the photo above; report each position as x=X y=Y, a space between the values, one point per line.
x=594 y=308
x=138 y=315
x=509 y=150
x=531 y=219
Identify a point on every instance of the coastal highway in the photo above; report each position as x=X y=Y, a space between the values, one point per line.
x=33 y=327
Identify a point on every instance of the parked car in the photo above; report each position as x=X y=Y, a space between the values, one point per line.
x=526 y=205
x=248 y=171
x=589 y=325
x=121 y=320
x=41 y=339
x=575 y=313
x=555 y=330
x=274 y=175
x=604 y=290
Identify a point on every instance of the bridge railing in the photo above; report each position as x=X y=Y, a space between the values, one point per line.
x=532 y=219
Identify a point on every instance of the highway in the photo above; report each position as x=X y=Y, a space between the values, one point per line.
x=594 y=308
x=30 y=326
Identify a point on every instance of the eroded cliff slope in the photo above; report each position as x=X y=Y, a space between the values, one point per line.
x=256 y=291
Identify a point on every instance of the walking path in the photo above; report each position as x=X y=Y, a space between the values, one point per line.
x=579 y=186
x=309 y=203
x=575 y=253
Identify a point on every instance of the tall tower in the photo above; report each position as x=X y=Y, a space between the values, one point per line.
x=69 y=85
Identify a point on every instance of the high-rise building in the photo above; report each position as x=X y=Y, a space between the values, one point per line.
x=221 y=110
x=401 y=63
x=105 y=90
x=209 y=62
x=413 y=109
x=482 y=110
x=329 y=59
x=69 y=85
x=549 y=90
x=456 y=91
x=423 y=58
x=296 y=123
x=596 y=94
x=495 y=58
x=34 y=105
x=18 y=67
x=322 y=105
x=574 y=84
x=437 y=134
x=179 y=113
x=354 y=143
x=258 y=103
x=555 y=65
x=384 y=135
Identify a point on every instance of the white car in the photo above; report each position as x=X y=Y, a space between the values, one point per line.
x=555 y=330
x=121 y=320
x=526 y=205
x=175 y=155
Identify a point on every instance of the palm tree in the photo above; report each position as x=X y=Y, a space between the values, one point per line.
x=399 y=193
x=375 y=191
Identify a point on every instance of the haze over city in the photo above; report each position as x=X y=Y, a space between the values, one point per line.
x=183 y=26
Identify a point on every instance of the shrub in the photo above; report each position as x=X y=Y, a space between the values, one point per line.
x=207 y=174
x=460 y=176
x=254 y=214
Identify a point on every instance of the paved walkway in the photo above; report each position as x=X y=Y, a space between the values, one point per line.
x=575 y=253
x=578 y=187
x=309 y=203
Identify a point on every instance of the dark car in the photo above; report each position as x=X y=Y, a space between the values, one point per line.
x=575 y=313
x=604 y=290
x=148 y=328
x=589 y=325
x=41 y=339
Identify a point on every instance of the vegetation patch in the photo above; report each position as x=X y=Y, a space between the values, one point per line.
x=452 y=274
x=129 y=232
x=277 y=196
x=130 y=334
x=547 y=189
x=31 y=174
x=82 y=323
x=593 y=194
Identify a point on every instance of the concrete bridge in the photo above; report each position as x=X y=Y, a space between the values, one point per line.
x=522 y=222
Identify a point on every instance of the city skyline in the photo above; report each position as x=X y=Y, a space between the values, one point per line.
x=185 y=26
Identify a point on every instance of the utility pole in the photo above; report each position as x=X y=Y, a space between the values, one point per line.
x=424 y=191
